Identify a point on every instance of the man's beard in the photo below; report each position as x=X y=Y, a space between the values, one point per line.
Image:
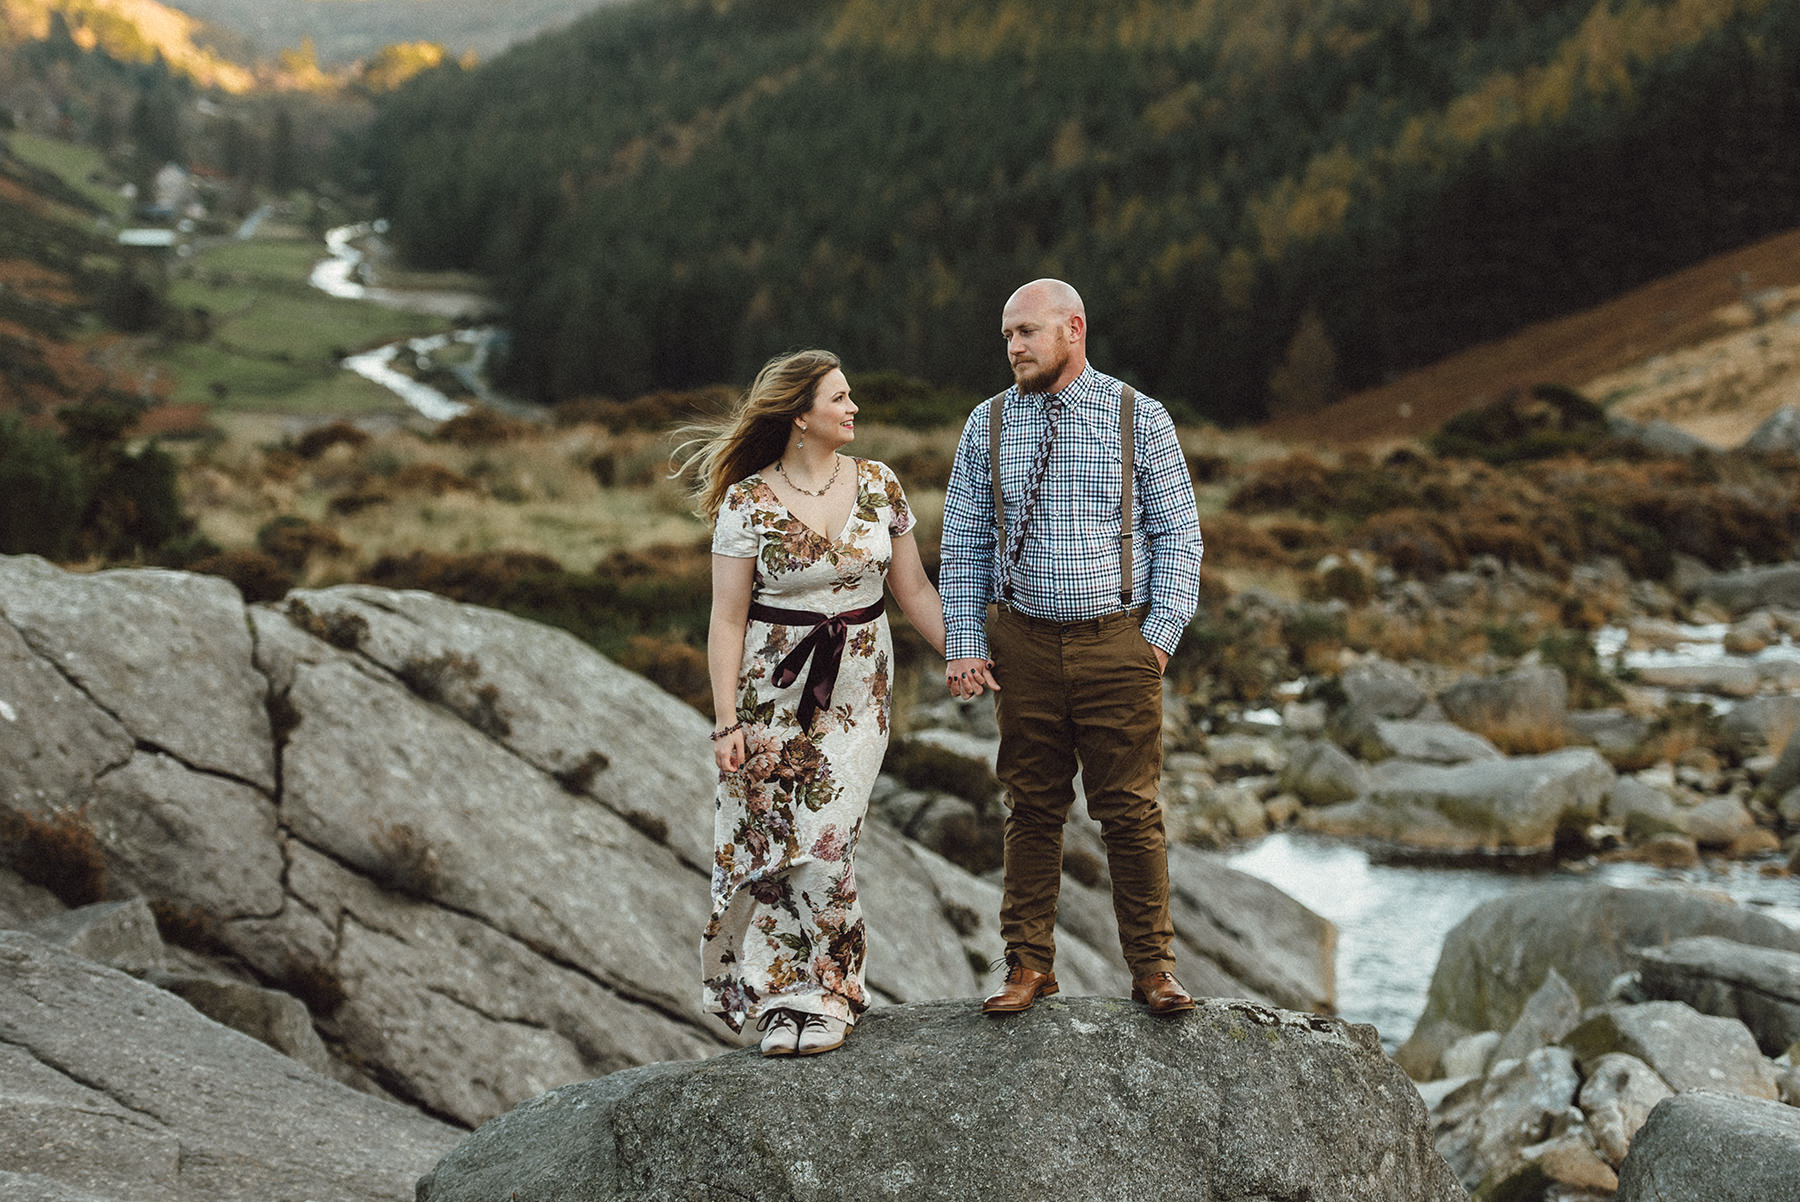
x=1038 y=377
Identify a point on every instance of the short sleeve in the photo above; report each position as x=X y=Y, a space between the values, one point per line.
x=733 y=534
x=900 y=515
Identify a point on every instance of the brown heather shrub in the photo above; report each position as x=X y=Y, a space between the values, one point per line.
x=194 y=927
x=1303 y=541
x=973 y=842
x=579 y=777
x=405 y=861
x=926 y=766
x=316 y=441
x=1507 y=538
x=258 y=575
x=358 y=498
x=294 y=540
x=453 y=680
x=284 y=717
x=652 y=411
x=1208 y=469
x=1434 y=639
x=1233 y=541
x=318 y=985
x=1414 y=543
x=1298 y=483
x=59 y=851
x=1522 y=734
x=675 y=667
x=433 y=479
x=651 y=826
x=342 y=628
x=480 y=428
x=1084 y=866
x=924 y=467
x=962 y=919
x=479 y=579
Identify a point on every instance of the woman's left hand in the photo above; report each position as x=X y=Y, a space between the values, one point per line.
x=728 y=753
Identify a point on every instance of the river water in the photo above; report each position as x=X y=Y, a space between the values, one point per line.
x=342 y=275
x=1392 y=918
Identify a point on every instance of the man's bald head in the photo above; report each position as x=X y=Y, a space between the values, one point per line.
x=1045 y=327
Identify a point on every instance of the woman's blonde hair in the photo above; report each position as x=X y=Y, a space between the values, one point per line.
x=755 y=431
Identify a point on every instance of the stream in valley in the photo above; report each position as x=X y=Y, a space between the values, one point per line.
x=345 y=274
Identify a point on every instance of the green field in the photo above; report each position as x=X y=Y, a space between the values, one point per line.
x=271 y=341
x=78 y=166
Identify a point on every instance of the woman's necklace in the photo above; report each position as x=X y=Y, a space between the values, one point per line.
x=807 y=492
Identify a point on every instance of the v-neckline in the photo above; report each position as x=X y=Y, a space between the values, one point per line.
x=828 y=540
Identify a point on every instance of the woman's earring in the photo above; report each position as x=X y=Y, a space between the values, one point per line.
x=801 y=445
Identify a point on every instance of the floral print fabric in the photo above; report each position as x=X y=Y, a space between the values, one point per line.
x=786 y=927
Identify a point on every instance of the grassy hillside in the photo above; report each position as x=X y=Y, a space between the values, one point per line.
x=65 y=291
x=1266 y=204
x=1710 y=347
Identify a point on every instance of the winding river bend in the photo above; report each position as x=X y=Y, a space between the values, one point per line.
x=344 y=274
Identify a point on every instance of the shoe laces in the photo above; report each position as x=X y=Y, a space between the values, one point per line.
x=782 y=1018
x=1011 y=964
x=797 y=1019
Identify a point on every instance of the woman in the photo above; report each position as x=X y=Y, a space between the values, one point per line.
x=800 y=657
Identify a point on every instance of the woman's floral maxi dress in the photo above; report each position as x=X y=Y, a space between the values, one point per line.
x=786 y=928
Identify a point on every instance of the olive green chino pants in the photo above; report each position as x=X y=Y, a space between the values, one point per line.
x=1084 y=695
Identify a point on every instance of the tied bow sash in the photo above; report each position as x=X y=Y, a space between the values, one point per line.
x=823 y=645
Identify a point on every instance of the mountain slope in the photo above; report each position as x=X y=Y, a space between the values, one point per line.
x=668 y=193
x=55 y=275
x=1712 y=348
x=132 y=31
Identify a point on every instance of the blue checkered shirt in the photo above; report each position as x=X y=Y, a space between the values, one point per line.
x=1069 y=570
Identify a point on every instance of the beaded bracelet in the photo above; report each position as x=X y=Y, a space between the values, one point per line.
x=716 y=735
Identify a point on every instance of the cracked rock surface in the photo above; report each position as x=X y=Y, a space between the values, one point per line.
x=191 y=1111
x=475 y=847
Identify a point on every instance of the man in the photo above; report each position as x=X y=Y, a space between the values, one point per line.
x=1079 y=649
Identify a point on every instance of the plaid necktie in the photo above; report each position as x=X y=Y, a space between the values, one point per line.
x=1034 y=482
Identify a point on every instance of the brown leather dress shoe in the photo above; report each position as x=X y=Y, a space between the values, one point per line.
x=1162 y=993
x=1022 y=987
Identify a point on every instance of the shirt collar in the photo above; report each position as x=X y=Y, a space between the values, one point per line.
x=1082 y=389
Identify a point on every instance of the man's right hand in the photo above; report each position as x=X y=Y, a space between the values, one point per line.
x=968 y=678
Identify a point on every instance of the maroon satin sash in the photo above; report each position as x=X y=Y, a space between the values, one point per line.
x=824 y=645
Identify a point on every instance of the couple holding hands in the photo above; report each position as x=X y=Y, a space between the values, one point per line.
x=1087 y=609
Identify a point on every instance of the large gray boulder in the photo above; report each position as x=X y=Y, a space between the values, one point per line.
x=1708 y=1147
x=112 y=1090
x=1531 y=697
x=476 y=848
x=115 y=636
x=1617 y=1095
x=1687 y=1049
x=1499 y=955
x=1501 y=806
x=1757 y=986
x=1081 y=1098
x=1748 y=589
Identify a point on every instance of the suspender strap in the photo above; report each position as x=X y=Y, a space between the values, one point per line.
x=1127 y=409
x=1127 y=457
x=995 y=406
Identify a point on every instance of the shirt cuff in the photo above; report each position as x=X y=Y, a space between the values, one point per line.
x=971 y=646
x=1162 y=633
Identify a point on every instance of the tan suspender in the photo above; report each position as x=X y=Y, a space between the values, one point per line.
x=1127 y=454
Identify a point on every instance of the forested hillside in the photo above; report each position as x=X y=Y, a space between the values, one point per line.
x=1264 y=202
